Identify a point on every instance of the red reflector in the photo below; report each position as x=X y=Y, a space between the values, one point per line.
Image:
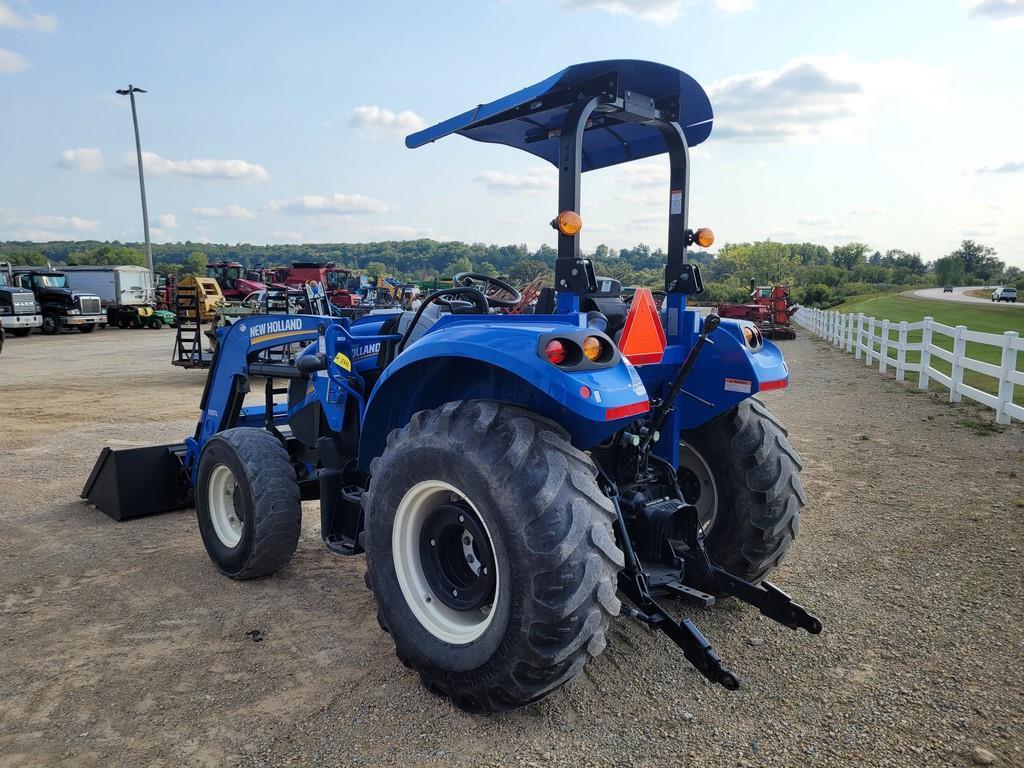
x=584 y=391
x=555 y=351
x=643 y=339
x=621 y=411
x=768 y=386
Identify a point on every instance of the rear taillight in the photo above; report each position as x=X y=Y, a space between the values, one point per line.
x=555 y=352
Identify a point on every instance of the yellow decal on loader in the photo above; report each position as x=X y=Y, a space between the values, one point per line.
x=342 y=361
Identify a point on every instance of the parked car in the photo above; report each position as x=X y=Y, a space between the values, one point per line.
x=947 y=289
x=1005 y=293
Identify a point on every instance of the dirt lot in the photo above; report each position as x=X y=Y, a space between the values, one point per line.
x=121 y=645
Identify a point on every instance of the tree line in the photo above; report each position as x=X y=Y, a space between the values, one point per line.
x=819 y=275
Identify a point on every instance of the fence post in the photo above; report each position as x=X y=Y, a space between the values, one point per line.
x=956 y=375
x=860 y=335
x=1009 y=364
x=926 y=356
x=901 y=351
x=849 y=333
x=869 y=355
x=883 y=347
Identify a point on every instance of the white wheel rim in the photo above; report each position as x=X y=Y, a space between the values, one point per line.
x=707 y=503
x=220 y=498
x=443 y=622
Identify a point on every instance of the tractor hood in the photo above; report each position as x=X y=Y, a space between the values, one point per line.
x=532 y=119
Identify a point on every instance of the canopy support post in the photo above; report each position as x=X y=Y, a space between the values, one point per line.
x=574 y=276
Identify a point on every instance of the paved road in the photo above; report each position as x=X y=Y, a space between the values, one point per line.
x=959 y=294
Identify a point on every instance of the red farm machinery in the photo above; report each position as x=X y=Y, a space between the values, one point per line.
x=769 y=306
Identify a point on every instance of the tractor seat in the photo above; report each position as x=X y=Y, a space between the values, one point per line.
x=398 y=322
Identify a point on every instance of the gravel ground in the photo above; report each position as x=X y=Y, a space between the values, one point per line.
x=120 y=644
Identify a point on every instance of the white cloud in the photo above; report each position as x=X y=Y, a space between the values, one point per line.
x=657 y=11
x=225 y=212
x=10 y=18
x=815 y=221
x=81 y=159
x=167 y=220
x=335 y=205
x=1010 y=166
x=645 y=175
x=287 y=236
x=996 y=10
x=75 y=223
x=811 y=96
x=11 y=63
x=649 y=219
x=533 y=180
x=44 y=228
x=867 y=211
x=204 y=168
x=734 y=6
x=374 y=120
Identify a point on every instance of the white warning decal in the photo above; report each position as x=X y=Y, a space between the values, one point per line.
x=677 y=202
x=737 y=385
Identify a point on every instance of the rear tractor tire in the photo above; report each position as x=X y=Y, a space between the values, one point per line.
x=742 y=474
x=247 y=502
x=490 y=554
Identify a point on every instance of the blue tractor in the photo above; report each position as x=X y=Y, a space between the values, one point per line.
x=511 y=478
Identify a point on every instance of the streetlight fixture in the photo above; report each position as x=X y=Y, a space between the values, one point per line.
x=130 y=92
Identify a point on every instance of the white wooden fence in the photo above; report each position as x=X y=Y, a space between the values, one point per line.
x=874 y=341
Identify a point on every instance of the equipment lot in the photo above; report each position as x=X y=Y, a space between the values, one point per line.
x=120 y=644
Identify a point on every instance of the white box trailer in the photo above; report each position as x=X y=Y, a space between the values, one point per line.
x=117 y=286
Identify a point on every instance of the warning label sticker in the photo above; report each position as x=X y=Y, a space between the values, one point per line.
x=737 y=385
x=342 y=361
x=677 y=202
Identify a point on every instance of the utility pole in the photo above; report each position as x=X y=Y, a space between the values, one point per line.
x=130 y=92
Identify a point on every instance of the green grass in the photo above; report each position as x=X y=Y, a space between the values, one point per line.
x=986 y=318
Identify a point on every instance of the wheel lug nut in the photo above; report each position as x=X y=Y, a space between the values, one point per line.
x=455 y=593
x=427 y=598
x=469 y=558
x=433 y=543
x=466 y=541
x=462 y=519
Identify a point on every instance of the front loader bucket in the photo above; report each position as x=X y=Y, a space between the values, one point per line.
x=135 y=482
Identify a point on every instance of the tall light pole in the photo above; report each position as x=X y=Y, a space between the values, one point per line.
x=130 y=92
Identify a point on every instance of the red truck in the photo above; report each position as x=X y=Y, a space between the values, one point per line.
x=337 y=281
x=234 y=282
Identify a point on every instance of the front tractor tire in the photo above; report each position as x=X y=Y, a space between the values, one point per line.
x=490 y=553
x=248 y=503
x=742 y=474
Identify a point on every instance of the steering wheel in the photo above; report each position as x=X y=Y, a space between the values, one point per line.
x=497 y=292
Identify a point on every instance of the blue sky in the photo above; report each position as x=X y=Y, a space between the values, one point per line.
x=898 y=124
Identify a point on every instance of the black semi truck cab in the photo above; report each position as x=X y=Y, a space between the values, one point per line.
x=60 y=306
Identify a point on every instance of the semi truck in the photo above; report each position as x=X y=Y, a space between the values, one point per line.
x=19 y=310
x=61 y=307
x=126 y=292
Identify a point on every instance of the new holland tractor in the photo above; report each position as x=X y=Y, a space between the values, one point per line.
x=514 y=480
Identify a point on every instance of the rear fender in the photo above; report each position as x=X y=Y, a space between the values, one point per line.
x=726 y=373
x=499 y=359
